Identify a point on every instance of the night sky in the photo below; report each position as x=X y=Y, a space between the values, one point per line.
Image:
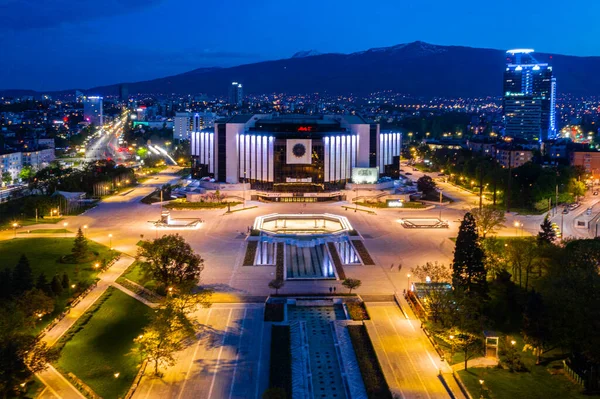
x=60 y=44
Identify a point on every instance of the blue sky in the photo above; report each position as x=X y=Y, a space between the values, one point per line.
x=60 y=44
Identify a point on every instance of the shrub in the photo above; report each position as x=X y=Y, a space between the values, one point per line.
x=357 y=311
x=250 y=253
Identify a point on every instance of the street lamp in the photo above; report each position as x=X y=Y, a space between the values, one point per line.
x=110 y=239
x=65 y=224
x=451 y=347
x=408 y=284
x=85 y=226
x=15 y=225
x=516 y=228
x=481 y=384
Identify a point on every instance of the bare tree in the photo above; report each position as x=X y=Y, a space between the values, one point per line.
x=489 y=220
x=437 y=272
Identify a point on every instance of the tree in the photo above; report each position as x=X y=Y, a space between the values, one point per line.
x=34 y=304
x=26 y=173
x=577 y=188
x=56 y=286
x=462 y=341
x=80 y=247
x=536 y=329
x=468 y=269
x=42 y=283
x=425 y=184
x=171 y=261
x=488 y=219
x=276 y=284
x=6 y=284
x=522 y=255
x=22 y=277
x=21 y=353
x=437 y=272
x=351 y=283
x=64 y=282
x=6 y=178
x=547 y=235
x=164 y=336
x=495 y=259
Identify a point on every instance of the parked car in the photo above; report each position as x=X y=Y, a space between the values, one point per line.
x=565 y=211
x=408 y=173
x=595 y=192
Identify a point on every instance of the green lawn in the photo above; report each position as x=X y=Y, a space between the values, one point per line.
x=44 y=231
x=30 y=222
x=135 y=274
x=538 y=383
x=102 y=347
x=44 y=256
x=543 y=381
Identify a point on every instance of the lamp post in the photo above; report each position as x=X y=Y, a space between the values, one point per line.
x=481 y=391
x=516 y=228
x=408 y=284
x=110 y=241
x=65 y=224
x=15 y=225
x=85 y=226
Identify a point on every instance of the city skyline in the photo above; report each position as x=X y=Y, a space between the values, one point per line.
x=50 y=43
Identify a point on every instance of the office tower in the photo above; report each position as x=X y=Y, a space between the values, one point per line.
x=124 y=92
x=181 y=126
x=236 y=94
x=529 y=97
x=92 y=110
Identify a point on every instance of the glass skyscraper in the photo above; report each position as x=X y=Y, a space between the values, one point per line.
x=529 y=97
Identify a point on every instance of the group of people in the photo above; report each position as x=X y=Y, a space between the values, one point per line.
x=399 y=267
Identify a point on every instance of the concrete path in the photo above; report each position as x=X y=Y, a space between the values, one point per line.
x=409 y=362
x=228 y=360
x=134 y=295
x=57 y=386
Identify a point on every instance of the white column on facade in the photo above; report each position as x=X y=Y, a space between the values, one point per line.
x=326 y=159
x=271 y=161
x=211 y=152
x=252 y=173
x=342 y=161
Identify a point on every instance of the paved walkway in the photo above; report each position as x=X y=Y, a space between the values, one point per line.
x=477 y=362
x=134 y=295
x=229 y=359
x=57 y=386
x=106 y=279
x=409 y=362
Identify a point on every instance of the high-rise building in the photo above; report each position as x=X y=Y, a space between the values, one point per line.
x=92 y=110
x=529 y=97
x=124 y=92
x=236 y=94
x=181 y=126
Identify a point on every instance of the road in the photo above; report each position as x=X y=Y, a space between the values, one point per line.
x=106 y=144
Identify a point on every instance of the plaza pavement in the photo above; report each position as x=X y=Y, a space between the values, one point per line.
x=220 y=240
x=410 y=364
x=228 y=360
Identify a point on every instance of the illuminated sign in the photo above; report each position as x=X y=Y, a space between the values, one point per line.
x=306 y=128
x=394 y=203
x=365 y=175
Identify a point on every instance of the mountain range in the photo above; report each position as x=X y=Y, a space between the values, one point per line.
x=418 y=69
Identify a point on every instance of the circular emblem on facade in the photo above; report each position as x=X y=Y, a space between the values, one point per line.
x=299 y=150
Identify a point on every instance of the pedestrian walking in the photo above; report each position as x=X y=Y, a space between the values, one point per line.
x=334 y=290
x=330 y=289
x=399 y=266
x=392 y=267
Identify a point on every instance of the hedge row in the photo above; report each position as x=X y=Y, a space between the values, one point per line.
x=370 y=369
x=336 y=261
x=250 y=253
x=362 y=251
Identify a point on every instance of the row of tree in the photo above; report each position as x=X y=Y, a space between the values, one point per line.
x=548 y=293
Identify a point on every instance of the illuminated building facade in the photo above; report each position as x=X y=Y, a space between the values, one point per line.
x=529 y=97
x=92 y=110
x=236 y=94
x=293 y=153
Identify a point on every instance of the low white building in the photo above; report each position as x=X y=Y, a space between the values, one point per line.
x=11 y=163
